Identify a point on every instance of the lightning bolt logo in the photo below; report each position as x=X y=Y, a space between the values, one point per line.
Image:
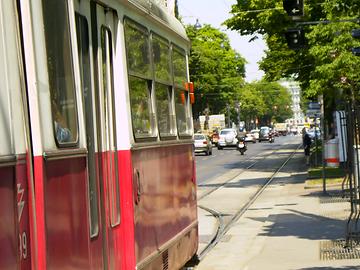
x=21 y=203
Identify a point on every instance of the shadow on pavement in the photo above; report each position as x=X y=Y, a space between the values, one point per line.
x=305 y=226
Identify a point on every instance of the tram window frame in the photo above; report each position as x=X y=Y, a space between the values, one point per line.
x=182 y=100
x=61 y=82
x=163 y=87
x=143 y=115
x=82 y=29
x=109 y=101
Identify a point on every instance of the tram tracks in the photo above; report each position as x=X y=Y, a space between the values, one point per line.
x=222 y=184
x=223 y=226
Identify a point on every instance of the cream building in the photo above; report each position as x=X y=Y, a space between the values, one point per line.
x=295 y=91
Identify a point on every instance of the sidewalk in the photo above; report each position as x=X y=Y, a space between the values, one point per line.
x=288 y=227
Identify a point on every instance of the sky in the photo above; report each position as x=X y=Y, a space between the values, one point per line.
x=215 y=12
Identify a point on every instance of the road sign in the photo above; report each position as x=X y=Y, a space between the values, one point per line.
x=314 y=105
x=294 y=8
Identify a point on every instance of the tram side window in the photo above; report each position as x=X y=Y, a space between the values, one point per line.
x=60 y=70
x=140 y=80
x=183 y=118
x=163 y=86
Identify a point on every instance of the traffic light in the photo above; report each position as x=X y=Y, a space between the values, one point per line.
x=356 y=51
x=356 y=34
x=294 y=7
x=295 y=38
x=190 y=87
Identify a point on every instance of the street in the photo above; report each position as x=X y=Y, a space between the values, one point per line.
x=255 y=212
x=221 y=161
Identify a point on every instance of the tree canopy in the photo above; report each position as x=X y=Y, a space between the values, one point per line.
x=216 y=69
x=326 y=64
x=218 y=73
x=269 y=102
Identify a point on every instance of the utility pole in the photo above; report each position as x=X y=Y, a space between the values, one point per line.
x=237 y=108
x=322 y=124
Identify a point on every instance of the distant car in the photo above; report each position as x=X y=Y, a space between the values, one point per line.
x=202 y=144
x=227 y=138
x=255 y=133
x=250 y=138
x=264 y=134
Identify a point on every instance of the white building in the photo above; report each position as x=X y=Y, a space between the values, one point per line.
x=295 y=91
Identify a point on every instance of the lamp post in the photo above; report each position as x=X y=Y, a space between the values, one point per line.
x=237 y=108
x=197 y=25
x=228 y=114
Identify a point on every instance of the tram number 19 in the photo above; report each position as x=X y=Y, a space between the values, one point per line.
x=23 y=246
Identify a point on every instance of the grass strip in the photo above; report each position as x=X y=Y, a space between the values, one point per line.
x=330 y=172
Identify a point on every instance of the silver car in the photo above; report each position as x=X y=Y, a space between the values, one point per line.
x=202 y=144
x=227 y=138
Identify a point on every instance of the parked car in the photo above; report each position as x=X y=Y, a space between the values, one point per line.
x=202 y=144
x=227 y=138
x=250 y=138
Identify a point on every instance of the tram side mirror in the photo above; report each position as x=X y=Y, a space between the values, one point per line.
x=156 y=52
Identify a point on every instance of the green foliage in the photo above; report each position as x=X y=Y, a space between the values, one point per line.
x=218 y=74
x=268 y=102
x=275 y=102
x=326 y=64
x=335 y=66
x=216 y=69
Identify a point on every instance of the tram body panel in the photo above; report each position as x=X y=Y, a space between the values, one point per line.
x=15 y=171
x=8 y=234
x=125 y=239
x=166 y=204
x=67 y=235
x=81 y=213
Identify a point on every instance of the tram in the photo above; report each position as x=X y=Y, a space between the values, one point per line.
x=97 y=168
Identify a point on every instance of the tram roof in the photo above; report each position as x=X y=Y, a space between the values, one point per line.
x=160 y=14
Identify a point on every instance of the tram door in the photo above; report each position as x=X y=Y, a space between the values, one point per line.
x=96 y=25
x=15 y=155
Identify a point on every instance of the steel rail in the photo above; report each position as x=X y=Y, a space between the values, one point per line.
x=232 y=178
x=223 y=228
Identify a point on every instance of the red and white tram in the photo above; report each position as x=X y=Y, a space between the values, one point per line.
x=96 y=156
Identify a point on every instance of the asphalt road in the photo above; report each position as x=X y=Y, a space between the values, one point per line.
x=210 y=167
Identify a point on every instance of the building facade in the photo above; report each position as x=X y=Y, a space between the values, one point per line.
x=295 y=91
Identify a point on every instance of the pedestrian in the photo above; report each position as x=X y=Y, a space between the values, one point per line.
x=307 y=145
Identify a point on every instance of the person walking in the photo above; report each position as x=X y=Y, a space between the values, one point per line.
x=307 y=145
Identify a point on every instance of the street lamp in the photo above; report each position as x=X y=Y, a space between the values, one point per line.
x=197 y=25
x=228 y=114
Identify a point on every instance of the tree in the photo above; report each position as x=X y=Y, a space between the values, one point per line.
x=216 y=69
x=311 y=66
x=276 y=102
